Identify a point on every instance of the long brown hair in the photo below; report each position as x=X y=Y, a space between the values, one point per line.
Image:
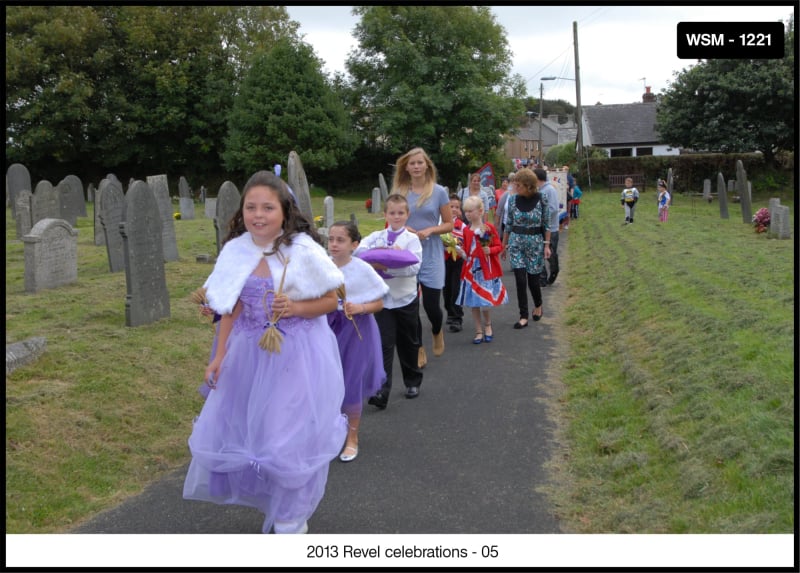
x=402 y=179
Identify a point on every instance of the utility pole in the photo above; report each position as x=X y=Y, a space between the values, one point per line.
x=579 y=139
x=541 y=95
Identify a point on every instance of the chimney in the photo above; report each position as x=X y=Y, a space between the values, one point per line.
x=648 y=97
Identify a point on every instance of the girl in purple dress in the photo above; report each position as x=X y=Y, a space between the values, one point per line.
x=355 y=328
x=272 y=422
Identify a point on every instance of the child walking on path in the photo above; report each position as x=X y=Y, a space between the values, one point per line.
x=453 y=262
x=628 y=199
x=355 y=328
x=397 y=255
x=481 y=286
x=663 y=201
x=272 y=423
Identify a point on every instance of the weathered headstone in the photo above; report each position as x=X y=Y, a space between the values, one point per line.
x=382 y=185
x=51 y=255
x=353 y=219
x=24 y=352
x=779 y=227
x=773 y=202
x=68 y=207
x=147 y=298
x=46 y=202
x=327 y=218
x=744 y=193
x=183 y=188
x=23 y=214
x=203 y=194
x=376 y=206
x=228 y=200
x=99 y=234
x=707 y=190
x=160 y=189
x=210 y=210
x=299 y=184
x=187 y=207
x=17 y=178
x=722 y=195
x=111 y=205
x=75 y=198
x=90 y=191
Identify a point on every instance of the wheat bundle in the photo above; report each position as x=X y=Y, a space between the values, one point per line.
x=272 y=338
x=341 y=293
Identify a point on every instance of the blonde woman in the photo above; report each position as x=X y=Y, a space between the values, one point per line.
x=430 y=216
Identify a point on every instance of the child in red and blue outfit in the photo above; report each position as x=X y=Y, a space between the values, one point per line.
x=453 y=262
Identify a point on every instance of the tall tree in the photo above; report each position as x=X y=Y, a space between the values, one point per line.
x=285 y=103
x=732 y=105
x=436 y=77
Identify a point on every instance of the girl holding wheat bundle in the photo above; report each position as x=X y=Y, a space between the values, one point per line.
x=272 y=424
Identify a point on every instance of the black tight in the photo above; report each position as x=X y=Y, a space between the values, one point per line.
x=524 y=279
x=433 y=309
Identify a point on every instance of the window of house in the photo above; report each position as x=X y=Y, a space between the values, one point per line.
x=622 y=152
x=640 y=151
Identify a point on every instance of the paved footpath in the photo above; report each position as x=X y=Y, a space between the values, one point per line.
x=466 y=456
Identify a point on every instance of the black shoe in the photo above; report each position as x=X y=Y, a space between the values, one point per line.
x=519 y=324
x=455 y=327
x=379 y=400
x=412 y=391
x=450 y=320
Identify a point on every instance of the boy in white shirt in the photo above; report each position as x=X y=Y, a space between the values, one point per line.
x=397 y=321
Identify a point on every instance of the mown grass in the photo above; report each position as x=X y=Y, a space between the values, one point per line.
x=677 y=407
x=107 y=408
x=676 y=411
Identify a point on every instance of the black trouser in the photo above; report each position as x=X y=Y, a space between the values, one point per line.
x=523 y=279
x=553 y=260
x=452 y=285
x=430 y=302
x=399 y=329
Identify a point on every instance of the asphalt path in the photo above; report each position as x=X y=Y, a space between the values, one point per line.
x=467 y=456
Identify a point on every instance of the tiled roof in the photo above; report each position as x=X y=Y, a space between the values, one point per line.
x=619 y=124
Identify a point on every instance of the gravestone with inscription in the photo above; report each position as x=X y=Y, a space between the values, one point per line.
x=160 y=189
x=111 y=205
x=51 y=255
x=17 y=178
x=147 y=298
x=46 y=202
x=23 y=215
x=228 y=199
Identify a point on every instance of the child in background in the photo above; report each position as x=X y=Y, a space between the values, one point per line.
x=271 y=424
x=628 y=199
x=398 y=321
x=481 y=286
x=663 y=201
x=355 y=328
x=453 y=261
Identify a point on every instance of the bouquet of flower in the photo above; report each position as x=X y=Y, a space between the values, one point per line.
x=761 y=220
x=483 y=236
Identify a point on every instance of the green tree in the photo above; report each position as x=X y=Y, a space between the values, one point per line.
x=732 y=105
x=436 y=77
x=285 y=103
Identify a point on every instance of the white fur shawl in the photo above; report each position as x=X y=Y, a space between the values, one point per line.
x=362 y=283
x=309 y=274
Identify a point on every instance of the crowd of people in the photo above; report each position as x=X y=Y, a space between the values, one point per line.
x=286 y=309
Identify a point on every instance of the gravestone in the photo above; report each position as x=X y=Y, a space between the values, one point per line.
x=99 y=234
x=773 y=202
x=111 y=206
x=90 y=193
x=722 y=195
x=183 y=188
x=744 y=193
x=779 y=227
x=376 y=206
x=113 y=177
x=187 y=207
x=203 y=194
x=160 y=189
x=299 y=184
x=17 y=178
x=68 y=204
x=23 y=215
x=384 y=189
x=707 y=190
x=210 y=205
x=74 y=200
x=228 y=200
x=670 y=181
x=51 y=255
x=353 y=219
x=46 y=202
x=147 y=298
x=327 y=217
x=22 y=353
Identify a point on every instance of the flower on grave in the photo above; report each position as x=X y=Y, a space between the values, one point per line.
x=318 y=221
x=368 y=204
x=761 y=220
x=176 y=215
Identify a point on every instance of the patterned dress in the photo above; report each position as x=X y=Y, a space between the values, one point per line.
x=526 y=249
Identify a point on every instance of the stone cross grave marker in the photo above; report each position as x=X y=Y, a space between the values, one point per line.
x=228 y=200
x=722 y=195
x=744 y=193
x=17 y=178
x=111 y=206
x=23 y=215
x=46 y=202
x=299 y=185
x=51 y=255
x=160 y=189
x=147 y=298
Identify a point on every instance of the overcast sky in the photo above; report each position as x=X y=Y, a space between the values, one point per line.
x=622 y=49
